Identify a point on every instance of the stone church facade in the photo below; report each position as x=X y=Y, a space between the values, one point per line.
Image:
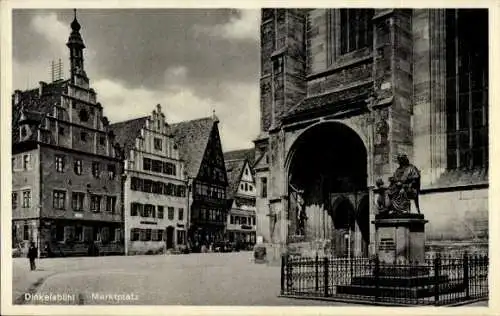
x=343 y=91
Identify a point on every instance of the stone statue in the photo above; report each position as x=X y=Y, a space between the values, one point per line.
x=404 y=187
x=301 y=216
x=382 y=200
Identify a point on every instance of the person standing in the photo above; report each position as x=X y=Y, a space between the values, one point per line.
x=32 y=255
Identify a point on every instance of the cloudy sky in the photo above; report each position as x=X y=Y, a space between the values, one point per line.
x=189 y=61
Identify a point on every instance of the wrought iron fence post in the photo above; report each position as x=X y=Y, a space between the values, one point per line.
x=316 y=274
x=325 y=263
x=376 y=273
x=466 y=275
x=289 y=276
x=437 y=272
x=283 y=265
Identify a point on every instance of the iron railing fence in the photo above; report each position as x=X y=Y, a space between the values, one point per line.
x=439 y=280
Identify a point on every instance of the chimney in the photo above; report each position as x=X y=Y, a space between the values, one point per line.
x=41 y=89
x=17 y=96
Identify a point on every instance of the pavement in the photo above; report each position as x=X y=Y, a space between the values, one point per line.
x=196 y=279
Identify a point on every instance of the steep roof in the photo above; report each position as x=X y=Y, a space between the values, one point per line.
x=192 y=138
x=126 y=132
x=32 y=101
x=241 y=154
x=234 y=170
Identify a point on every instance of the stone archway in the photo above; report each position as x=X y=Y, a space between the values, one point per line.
x=326 y=161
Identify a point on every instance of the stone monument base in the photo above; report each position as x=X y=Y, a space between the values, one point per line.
x=400 y=238
x=402 y=273
x=273 y=253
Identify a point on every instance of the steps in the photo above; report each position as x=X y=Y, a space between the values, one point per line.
x=400 y=287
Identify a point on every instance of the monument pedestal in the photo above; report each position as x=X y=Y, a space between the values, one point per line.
x=400 y=238
x=402 y=271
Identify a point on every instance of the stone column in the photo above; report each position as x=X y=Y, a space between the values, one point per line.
x=429 y=122
x=438 y=93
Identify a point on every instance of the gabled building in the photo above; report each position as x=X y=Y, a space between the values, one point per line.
x=155 y=198
x=200 y=148
x=241 y=220
x=66 y=187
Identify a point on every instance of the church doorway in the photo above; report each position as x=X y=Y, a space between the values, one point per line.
x=327 y=187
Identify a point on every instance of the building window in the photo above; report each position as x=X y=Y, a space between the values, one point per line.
x=145 y=234
x=159 y=233
x=148 y=210
x=95 y=203
x=83 y=136
x=355 y=29
x=61 y=130
x=111 y=204
x=26 y=198
x=263 y=182
x=134 y=234
x=181 y=214
x=59 y=199
x=156 y=165
x=27 y=162
x=278 y=65
x=160 y=211
x=79 y=233
x=14 y=200
x=102 y=140
x=169 y=168
x=146 y=164
x=171 y=213
x=242 y=187
x=467 y=88
x=250 y=187
x=158 y=143
x=26 y=232
x=148 y=185
x=77 y=201
x=96 y=169
x=78 y=166
x=135 y=209
x=246 y=187
x=84 y=115
x=136 y=184
x=59 y=163
x=181 y=237
x=111 y=171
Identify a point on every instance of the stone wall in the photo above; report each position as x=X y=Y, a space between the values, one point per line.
x=456 y=216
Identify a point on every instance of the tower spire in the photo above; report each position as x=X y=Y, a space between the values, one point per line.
x=76 y=47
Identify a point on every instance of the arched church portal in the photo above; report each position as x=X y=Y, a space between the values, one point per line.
x=327 y=188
